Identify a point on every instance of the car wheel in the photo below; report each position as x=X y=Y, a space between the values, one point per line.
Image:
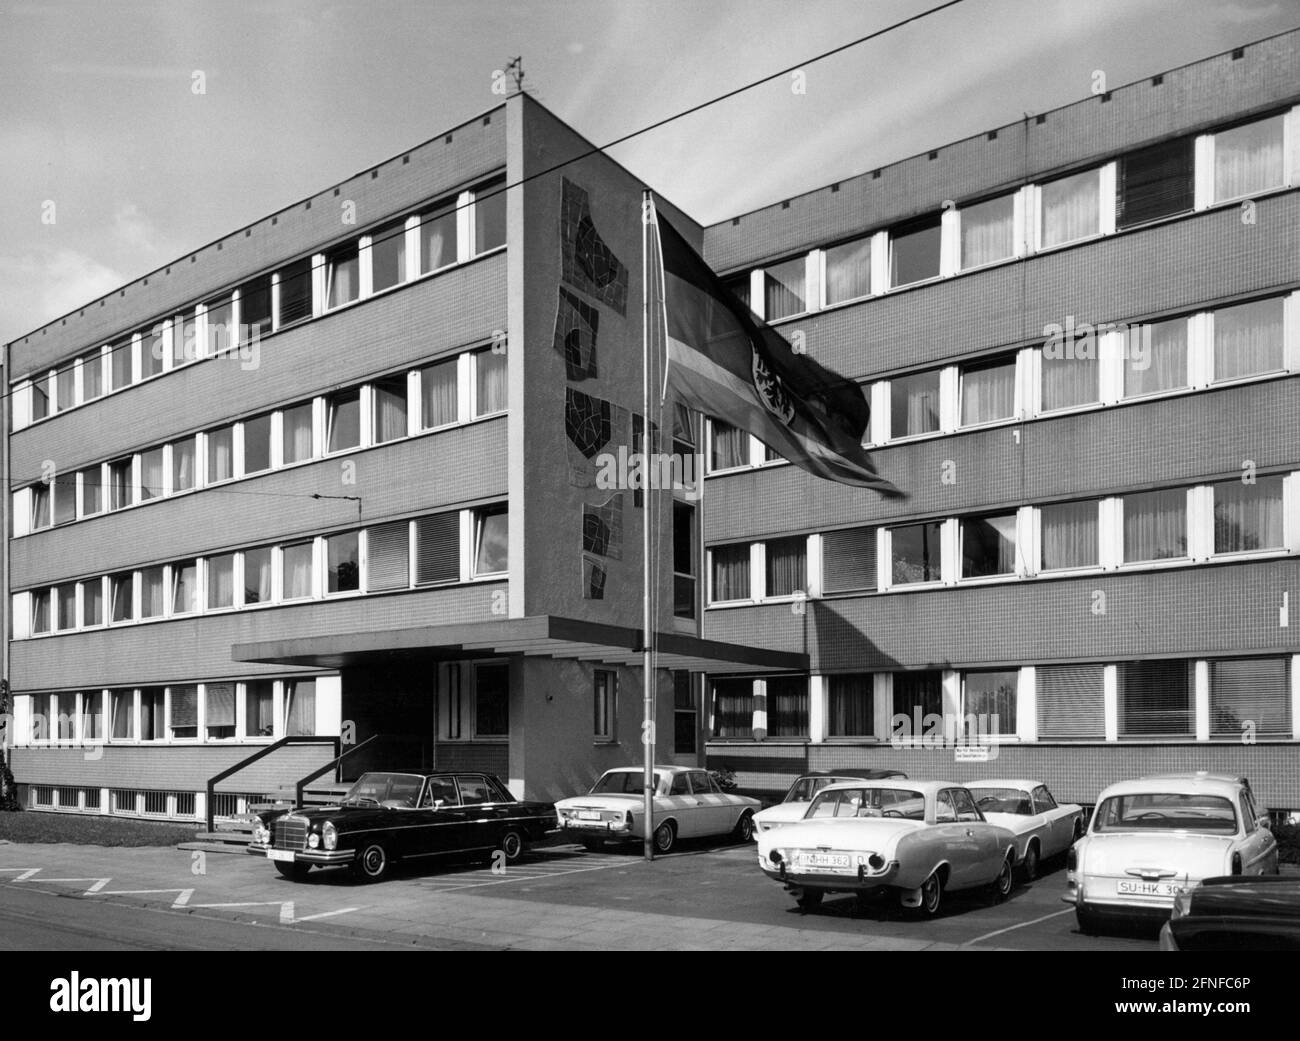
x=931 y=895
x=809 y=898
x=665 y=836
x=512 y=846
x=296 y=872
x=1003 y=884
x=372 y=863
x=1030 y=864
x=592 y=845
x=744 y=830
x=1088 y=922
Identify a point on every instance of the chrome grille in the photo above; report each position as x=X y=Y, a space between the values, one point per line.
x=289 y=833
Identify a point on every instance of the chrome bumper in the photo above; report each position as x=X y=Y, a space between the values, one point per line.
x=311 y=856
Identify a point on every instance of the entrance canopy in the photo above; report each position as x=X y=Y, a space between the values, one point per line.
x=542 y=636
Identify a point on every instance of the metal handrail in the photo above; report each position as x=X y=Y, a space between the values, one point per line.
x=259 y=754
x=332 y=764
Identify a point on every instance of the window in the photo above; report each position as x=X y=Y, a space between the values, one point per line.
x=848 y=271
x=1155 y=182
x=685 y=713
x=1155 y=525
x=153 y=349
x=1250 y=697
x=257 y=444
x=492 y=700
x=257 y=575
x=185 y=711
x=296 y=570
x=63 y=493
x=40 y=506
x=342 y=276
x=219 y=710
x=491 y=541
x=92 y=497
x=221 y=333
x=259 y=701
x=1071 y=702
x=489 y=381
x=255 y=307
x=343 y=420
x=1068 y=535
x=988 y=391
x=121 y=707
x=849 y=560
x=221 y=454
x=437 y=549
x=1155 y=699
x=120 y=492
x=343 y=560
x=730 y=446
x=152 y=714
x=849 y=706
x=1248 y=339
x=388 y=556
x=490 y=216
x=944 y=810
x=914 y=252
x=787 y=706
x=1071 y=375
x=185 y=587
x=739 y=287
x=988 y=546
x=991 y=698
x=65 y=387
x=65 y=606
x=730 y=572
x=221 y=581
x=1043 y=800
x=1156 y=358
x=1248 y=517
x=299 y=708
x=151 y=474
x=438 y=394
x=296 y=424
x=184 y=339
x=92 y=602
x=92 y=375
x=295 y=292
x=388 y=256
x=683 y=560
x=41 y=603
x=182 y=465
x=787 y=570
x=120 y=358
x=1071 y=208
x=438 y=242
x=784 y=289
x=733 y=707
x=152 y=592
x=605 y=711
x=40 y=398
x=988 y=231
x=388 y=414
x=1248 y=158
x=121 y=589
x=914 y=553
x=914 y=404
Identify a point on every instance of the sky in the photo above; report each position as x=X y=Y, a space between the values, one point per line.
x=101 y=114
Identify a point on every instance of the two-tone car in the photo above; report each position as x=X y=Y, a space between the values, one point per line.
x=399 y=815
x=1154 y=838
x=799 y=795
x=918 y=839
x=688 y=803
x=1043 y=827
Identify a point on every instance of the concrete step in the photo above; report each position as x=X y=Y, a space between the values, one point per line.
x=229 y=838
x=215 y=847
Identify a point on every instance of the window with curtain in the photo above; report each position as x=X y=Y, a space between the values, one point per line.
x=152 y=350
x=1071 y=702
x=220 y=334
x=92 y=495
x=1068 y=535
x=915 y=551
x=988 y=391
x=221 y=454
x=914 y=252
x=988 y=231
x=183 y=465
x=489 y=381
x=1248 y=517
x=918 y=692
x=151 y=474
x=438 y=394
x=153 y=592
x=1250 y=696
x=1068 y=382
x=914 y=404
x=1248 y=158
x=121 y=707
x=185 y=587
x=388 y=256
x=492 y=700
x=221 y=581
x=1155 y=357
x=295 y=433
x=730 y=572
x=255 y=308
x=1155 y=525
x=299 y=708
x=491 y=541
x=342 y=276
x=685 y=713
x=787 y=706
x=219 y=708
x=733 y=707
x=849 y=704
x=65 y=606
x=1154 y=182
x=185 y=339
x=120 y=492
x=152 y=714
x=343 y=420
x=342 y=555
x=784 y=289
x=848 y=271
x=490 y=215
x=849 y=560
x=296 y=570
x=988 y=546
x=1156 y=699
x=991 y=698
x=41 y=610
x=388 y=417
x=257 y=444
x=65 y=387
x=295 y=292
x=257 y=575
x=787 y=565
x=92 y=602
x=388 y=556
x=1248 y=339
x=92 y=375
x=92 y=716
x=63 y=496
x=259 y=701
x=438 y=236
x=730 y=446
x=185 y=711
x=121 y=587
x=437 y=549
x=120 y=359
x=1071 y=208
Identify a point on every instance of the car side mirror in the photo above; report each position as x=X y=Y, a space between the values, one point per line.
x=439 y=803
x=1264 y=822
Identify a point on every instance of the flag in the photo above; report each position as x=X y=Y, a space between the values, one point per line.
x=726 y=362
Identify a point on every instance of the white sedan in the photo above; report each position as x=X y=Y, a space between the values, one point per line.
x=800 y=794
x=687 y=804
x=1043 y=827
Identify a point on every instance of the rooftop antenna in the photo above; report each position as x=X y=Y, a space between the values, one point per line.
x=515 y=70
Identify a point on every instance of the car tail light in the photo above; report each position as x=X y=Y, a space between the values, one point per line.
x=876 y=861
x=1236 y=863
x=1071 y=860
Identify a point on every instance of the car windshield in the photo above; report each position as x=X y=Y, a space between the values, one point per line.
x=1167 y=811
x=384 y=789
x=806 y=787
x=868 y=802
x=1003 y=800
x=622 y=782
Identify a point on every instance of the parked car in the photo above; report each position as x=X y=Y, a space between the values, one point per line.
x=1230 y=913
x=1152 y=838
x=1043 y=827
x=800 y=795
x=687 y=804
x=917 y=838
x=388 y=816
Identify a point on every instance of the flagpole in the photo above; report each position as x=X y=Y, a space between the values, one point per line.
x=648 y=720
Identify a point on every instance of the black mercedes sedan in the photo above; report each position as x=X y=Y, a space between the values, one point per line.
x=396 y=815
x=1233 y=913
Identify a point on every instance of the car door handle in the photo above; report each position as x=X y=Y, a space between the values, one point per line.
x=970 y=833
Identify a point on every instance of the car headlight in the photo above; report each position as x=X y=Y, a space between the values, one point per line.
x=329 y=835
x=262 y=835
x=1182 y=904
x=313 y=841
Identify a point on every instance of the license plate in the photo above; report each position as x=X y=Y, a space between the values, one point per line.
x=279 y=854
x=1147 y=888
x=831 y=860
x=588 y=815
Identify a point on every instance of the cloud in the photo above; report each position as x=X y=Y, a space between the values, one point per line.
x=47 y=284
x=133 y=230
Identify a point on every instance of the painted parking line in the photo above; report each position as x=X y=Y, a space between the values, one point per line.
x=530 y=872
x=1018 y=925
